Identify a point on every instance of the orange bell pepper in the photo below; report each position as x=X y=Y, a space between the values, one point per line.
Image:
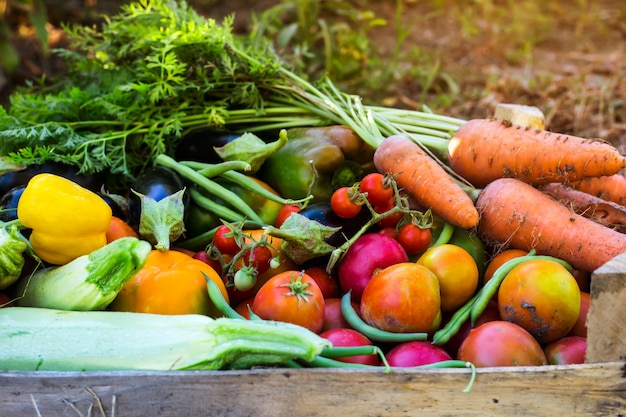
x=171 y=283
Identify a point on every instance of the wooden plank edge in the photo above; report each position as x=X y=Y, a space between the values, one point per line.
x=574 y=390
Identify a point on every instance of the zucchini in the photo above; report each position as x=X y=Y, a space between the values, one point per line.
x=89 y=282
x=35 y=339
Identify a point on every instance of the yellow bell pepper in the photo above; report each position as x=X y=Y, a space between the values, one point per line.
x=67 y=220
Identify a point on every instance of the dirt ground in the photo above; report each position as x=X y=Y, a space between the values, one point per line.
x=576 y=74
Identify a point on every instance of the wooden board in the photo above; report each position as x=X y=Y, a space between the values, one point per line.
x=579 y=390
x=597 y=388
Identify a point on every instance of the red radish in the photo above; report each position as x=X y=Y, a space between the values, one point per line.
x=350 y=337
x=416 y=353
x=370 y=253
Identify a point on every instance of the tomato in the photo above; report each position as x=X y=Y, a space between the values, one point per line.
x=285 y=212
x=350 y=337
x=416 y=353
x=327 y=283
x=490 y=313
x=569 y=350
x=402 y=298
x=499 y=259
x=244 y=307
x=389 y=231
x=378 y=192
x=224 y=240
x=456 y=271
x=501 y=343
x=413 y=238
x=343 y=203
x=258 y=257
x=333 y=317
x=293 y=297
x=580 y=328
x=389 y=221
x=368 y=254
x=542 y=297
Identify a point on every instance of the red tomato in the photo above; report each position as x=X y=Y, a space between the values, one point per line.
x=389 y=231
x=416 y=353
x=580 y=328
x=285 y=212
x=333 y=317
x=292 y=297
x=378 y=193
x=343 y=204
x=350 y=337
x=390 y=221
x=413 y=238
x=259 y=258
x=569 y=350
x=501 y=343
x=224 y=241
x=491 y=313
x=327 y=283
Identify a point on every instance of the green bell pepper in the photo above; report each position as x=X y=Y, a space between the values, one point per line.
x=317 y=161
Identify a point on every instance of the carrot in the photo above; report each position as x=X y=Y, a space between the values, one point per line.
x=520 y=216
x=425 y=180
x=604 y=212
x=483 y=150
x=608 y=187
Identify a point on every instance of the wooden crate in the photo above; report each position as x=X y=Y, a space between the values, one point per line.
x=597 y=388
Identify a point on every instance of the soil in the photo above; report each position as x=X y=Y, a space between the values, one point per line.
x=575 y=74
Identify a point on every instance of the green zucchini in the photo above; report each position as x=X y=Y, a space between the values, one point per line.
x=33 y=339
x=89 y=282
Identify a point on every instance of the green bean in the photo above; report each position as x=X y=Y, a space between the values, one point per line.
x=219 y=301
x=491 y=287
x=343 y=351
x=373 y=333
x=219 y=210
x=444 y=236
x=210 y=186
x=214 y=170
x=443 y=335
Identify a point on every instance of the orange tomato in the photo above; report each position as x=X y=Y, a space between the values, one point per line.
x=403 y=297
x=170 y=282
x=456 y=271
x=119 y=228
x=541 y=296
x=498 y=260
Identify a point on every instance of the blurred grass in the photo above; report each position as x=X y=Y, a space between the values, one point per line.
x=453 y=56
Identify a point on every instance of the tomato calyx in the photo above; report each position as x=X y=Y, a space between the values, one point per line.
x=297 y=288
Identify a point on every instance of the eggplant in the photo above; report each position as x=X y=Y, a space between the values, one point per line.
x=199 y=145
x=323 y=213
x=157 y=183
x=9 y=202
x=14 y=179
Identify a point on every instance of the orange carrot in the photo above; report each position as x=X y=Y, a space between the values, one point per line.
x=520 y=216
x=483 y=150
x=609 y=187
x=608 y=213
x=425 y=180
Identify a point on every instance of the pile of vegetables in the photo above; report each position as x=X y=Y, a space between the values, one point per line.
x=181 y=185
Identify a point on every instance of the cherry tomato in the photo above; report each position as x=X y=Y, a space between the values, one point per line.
x=413 y=238
x=293 y=297
x=343 y=204
x=378 y=193
x=390 y=221
x=389 y=231
x=259 y=259
x=224 y=241
x=327 y=283
x=285 y=212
